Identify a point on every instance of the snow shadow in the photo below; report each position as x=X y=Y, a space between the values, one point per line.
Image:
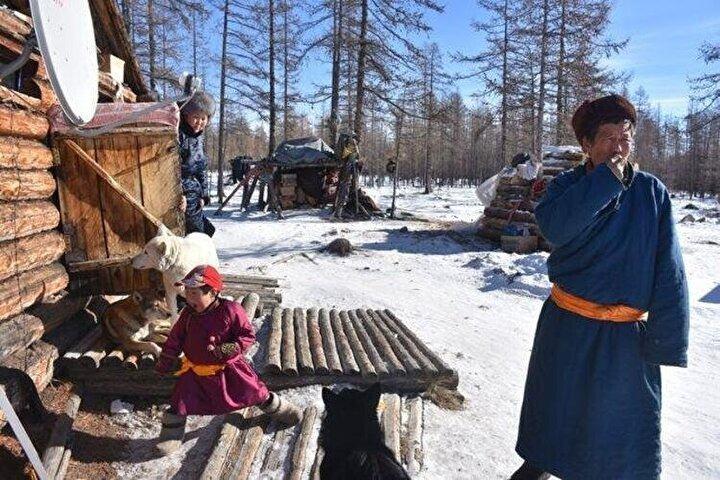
x=524 y=275
x=428 y=242
x=713 y=296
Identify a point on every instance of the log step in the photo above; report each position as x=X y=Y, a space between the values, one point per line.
x=250 y=447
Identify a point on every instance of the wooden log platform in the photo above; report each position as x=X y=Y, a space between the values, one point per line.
x=248 y=446
x=296 y=347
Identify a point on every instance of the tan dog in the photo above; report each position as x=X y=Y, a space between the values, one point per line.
x=139 y=322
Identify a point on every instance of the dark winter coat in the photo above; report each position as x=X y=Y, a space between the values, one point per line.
x=193 y=172
x=592 y=397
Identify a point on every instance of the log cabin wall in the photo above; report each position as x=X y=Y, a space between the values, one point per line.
x=39 y=317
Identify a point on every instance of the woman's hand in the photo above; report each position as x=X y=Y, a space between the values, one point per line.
x=183 y=203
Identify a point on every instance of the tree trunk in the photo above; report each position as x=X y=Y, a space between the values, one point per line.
x=335 y=89
x=559 y=98
x=286 y=75
x=151 y=43
x=542 y=86
x=428 y=128
x=221 y=126
x=271 y=45
x=504 y=101
x=360 y=87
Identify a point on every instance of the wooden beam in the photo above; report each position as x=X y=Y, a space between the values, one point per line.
x=105 y=176
x=18 y=332
x=25 y=184
x=22 y=123
x=24 y=154
x=17 y=256
x=19 y=219
x=53 y=456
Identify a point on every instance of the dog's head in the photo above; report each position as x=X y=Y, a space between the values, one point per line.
x=157 y=251
x=350 y=414
x=151 y=305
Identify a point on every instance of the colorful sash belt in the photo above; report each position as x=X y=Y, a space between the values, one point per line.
x=201 y=370
x=580 y=306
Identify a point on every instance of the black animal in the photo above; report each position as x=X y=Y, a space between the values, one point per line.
x=21 y=391
x=352 y=439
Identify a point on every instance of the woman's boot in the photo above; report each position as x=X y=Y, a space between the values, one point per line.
x=281 y=410
x=528 y=472
x=172 y=433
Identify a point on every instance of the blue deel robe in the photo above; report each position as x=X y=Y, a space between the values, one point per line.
x=591 y=408
x=194 y=179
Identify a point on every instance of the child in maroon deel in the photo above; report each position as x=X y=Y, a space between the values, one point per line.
x=214 y=377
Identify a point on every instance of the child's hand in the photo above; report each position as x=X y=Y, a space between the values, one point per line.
x=183 y=204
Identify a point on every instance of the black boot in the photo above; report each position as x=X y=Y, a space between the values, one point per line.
x=528 y=472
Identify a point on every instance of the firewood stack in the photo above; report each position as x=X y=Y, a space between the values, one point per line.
x=288 y=185
x=514 y=203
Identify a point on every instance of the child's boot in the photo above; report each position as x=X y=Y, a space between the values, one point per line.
x=281 y=410
x=172 y=433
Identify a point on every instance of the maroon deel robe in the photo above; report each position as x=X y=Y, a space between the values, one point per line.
x=236 y=386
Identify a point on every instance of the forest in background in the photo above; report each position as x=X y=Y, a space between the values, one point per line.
x=389 y=82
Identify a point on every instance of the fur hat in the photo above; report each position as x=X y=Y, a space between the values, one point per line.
x=591 y=114
x=200 y=102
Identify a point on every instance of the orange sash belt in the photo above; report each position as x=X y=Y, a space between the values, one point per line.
x=609 y=313
x=202 y=370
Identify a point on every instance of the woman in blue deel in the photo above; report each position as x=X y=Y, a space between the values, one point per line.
x=618 y=310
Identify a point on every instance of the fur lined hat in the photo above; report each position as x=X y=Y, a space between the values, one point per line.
x=200 y=102
x=591 y=114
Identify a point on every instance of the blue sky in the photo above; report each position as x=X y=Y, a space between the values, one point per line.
x=663 y=52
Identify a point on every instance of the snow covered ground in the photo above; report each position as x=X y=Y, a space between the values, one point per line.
x=477 y=307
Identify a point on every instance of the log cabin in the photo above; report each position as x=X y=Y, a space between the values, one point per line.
x=70 y=219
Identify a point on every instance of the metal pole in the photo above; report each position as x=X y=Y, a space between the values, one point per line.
x=21 y=435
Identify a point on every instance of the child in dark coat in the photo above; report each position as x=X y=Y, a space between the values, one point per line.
x=194 y=117
x=214 y=377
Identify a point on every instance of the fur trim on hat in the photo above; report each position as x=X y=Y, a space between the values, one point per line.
x=200 y=102
x=609 y=109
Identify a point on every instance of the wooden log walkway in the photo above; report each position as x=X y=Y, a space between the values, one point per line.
x=249 y=446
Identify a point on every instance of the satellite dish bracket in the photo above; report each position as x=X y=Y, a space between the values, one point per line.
x=28 y=49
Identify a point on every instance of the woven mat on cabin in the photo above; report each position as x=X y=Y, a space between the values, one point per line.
x=249 y=447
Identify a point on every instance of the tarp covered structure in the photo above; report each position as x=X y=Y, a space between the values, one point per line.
x=304 y=152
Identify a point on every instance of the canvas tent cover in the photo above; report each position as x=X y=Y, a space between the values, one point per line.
x=308 y=151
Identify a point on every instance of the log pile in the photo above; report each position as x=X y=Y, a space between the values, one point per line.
x=239 y=286
x=287 y=187
x=515 y=199
x=250 y=447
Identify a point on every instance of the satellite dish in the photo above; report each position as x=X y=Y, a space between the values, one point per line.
x=66 y=38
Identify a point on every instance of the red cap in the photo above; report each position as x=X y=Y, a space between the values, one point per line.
x=202 y=275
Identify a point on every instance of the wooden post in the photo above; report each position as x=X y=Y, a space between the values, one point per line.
x=302 y=344
x=347 y=359
x=53 y=456
x=289 y=359
x=90 y=359
x=21 y=123
x=24 y=154
x=112 y=183
x=329 y=347
x=23 y=254
x=409 y=344
x=72 y=356
x=18 y=185
x=113 y=360
x=297 y=465
x=439 y=363
x=378 y=363
x=315 y=469
x=366 y=367
x=394 y=365
x=272 y=362
x=411 y=366
x=248 y=450
x=315 y=339
x=412 y=447
x=250 y=304
x=226 y=439
x=391 y=423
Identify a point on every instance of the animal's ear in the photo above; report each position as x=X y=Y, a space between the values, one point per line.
x=328 y=396
x=163 y=231
x=137 y=296
x=372 y=395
